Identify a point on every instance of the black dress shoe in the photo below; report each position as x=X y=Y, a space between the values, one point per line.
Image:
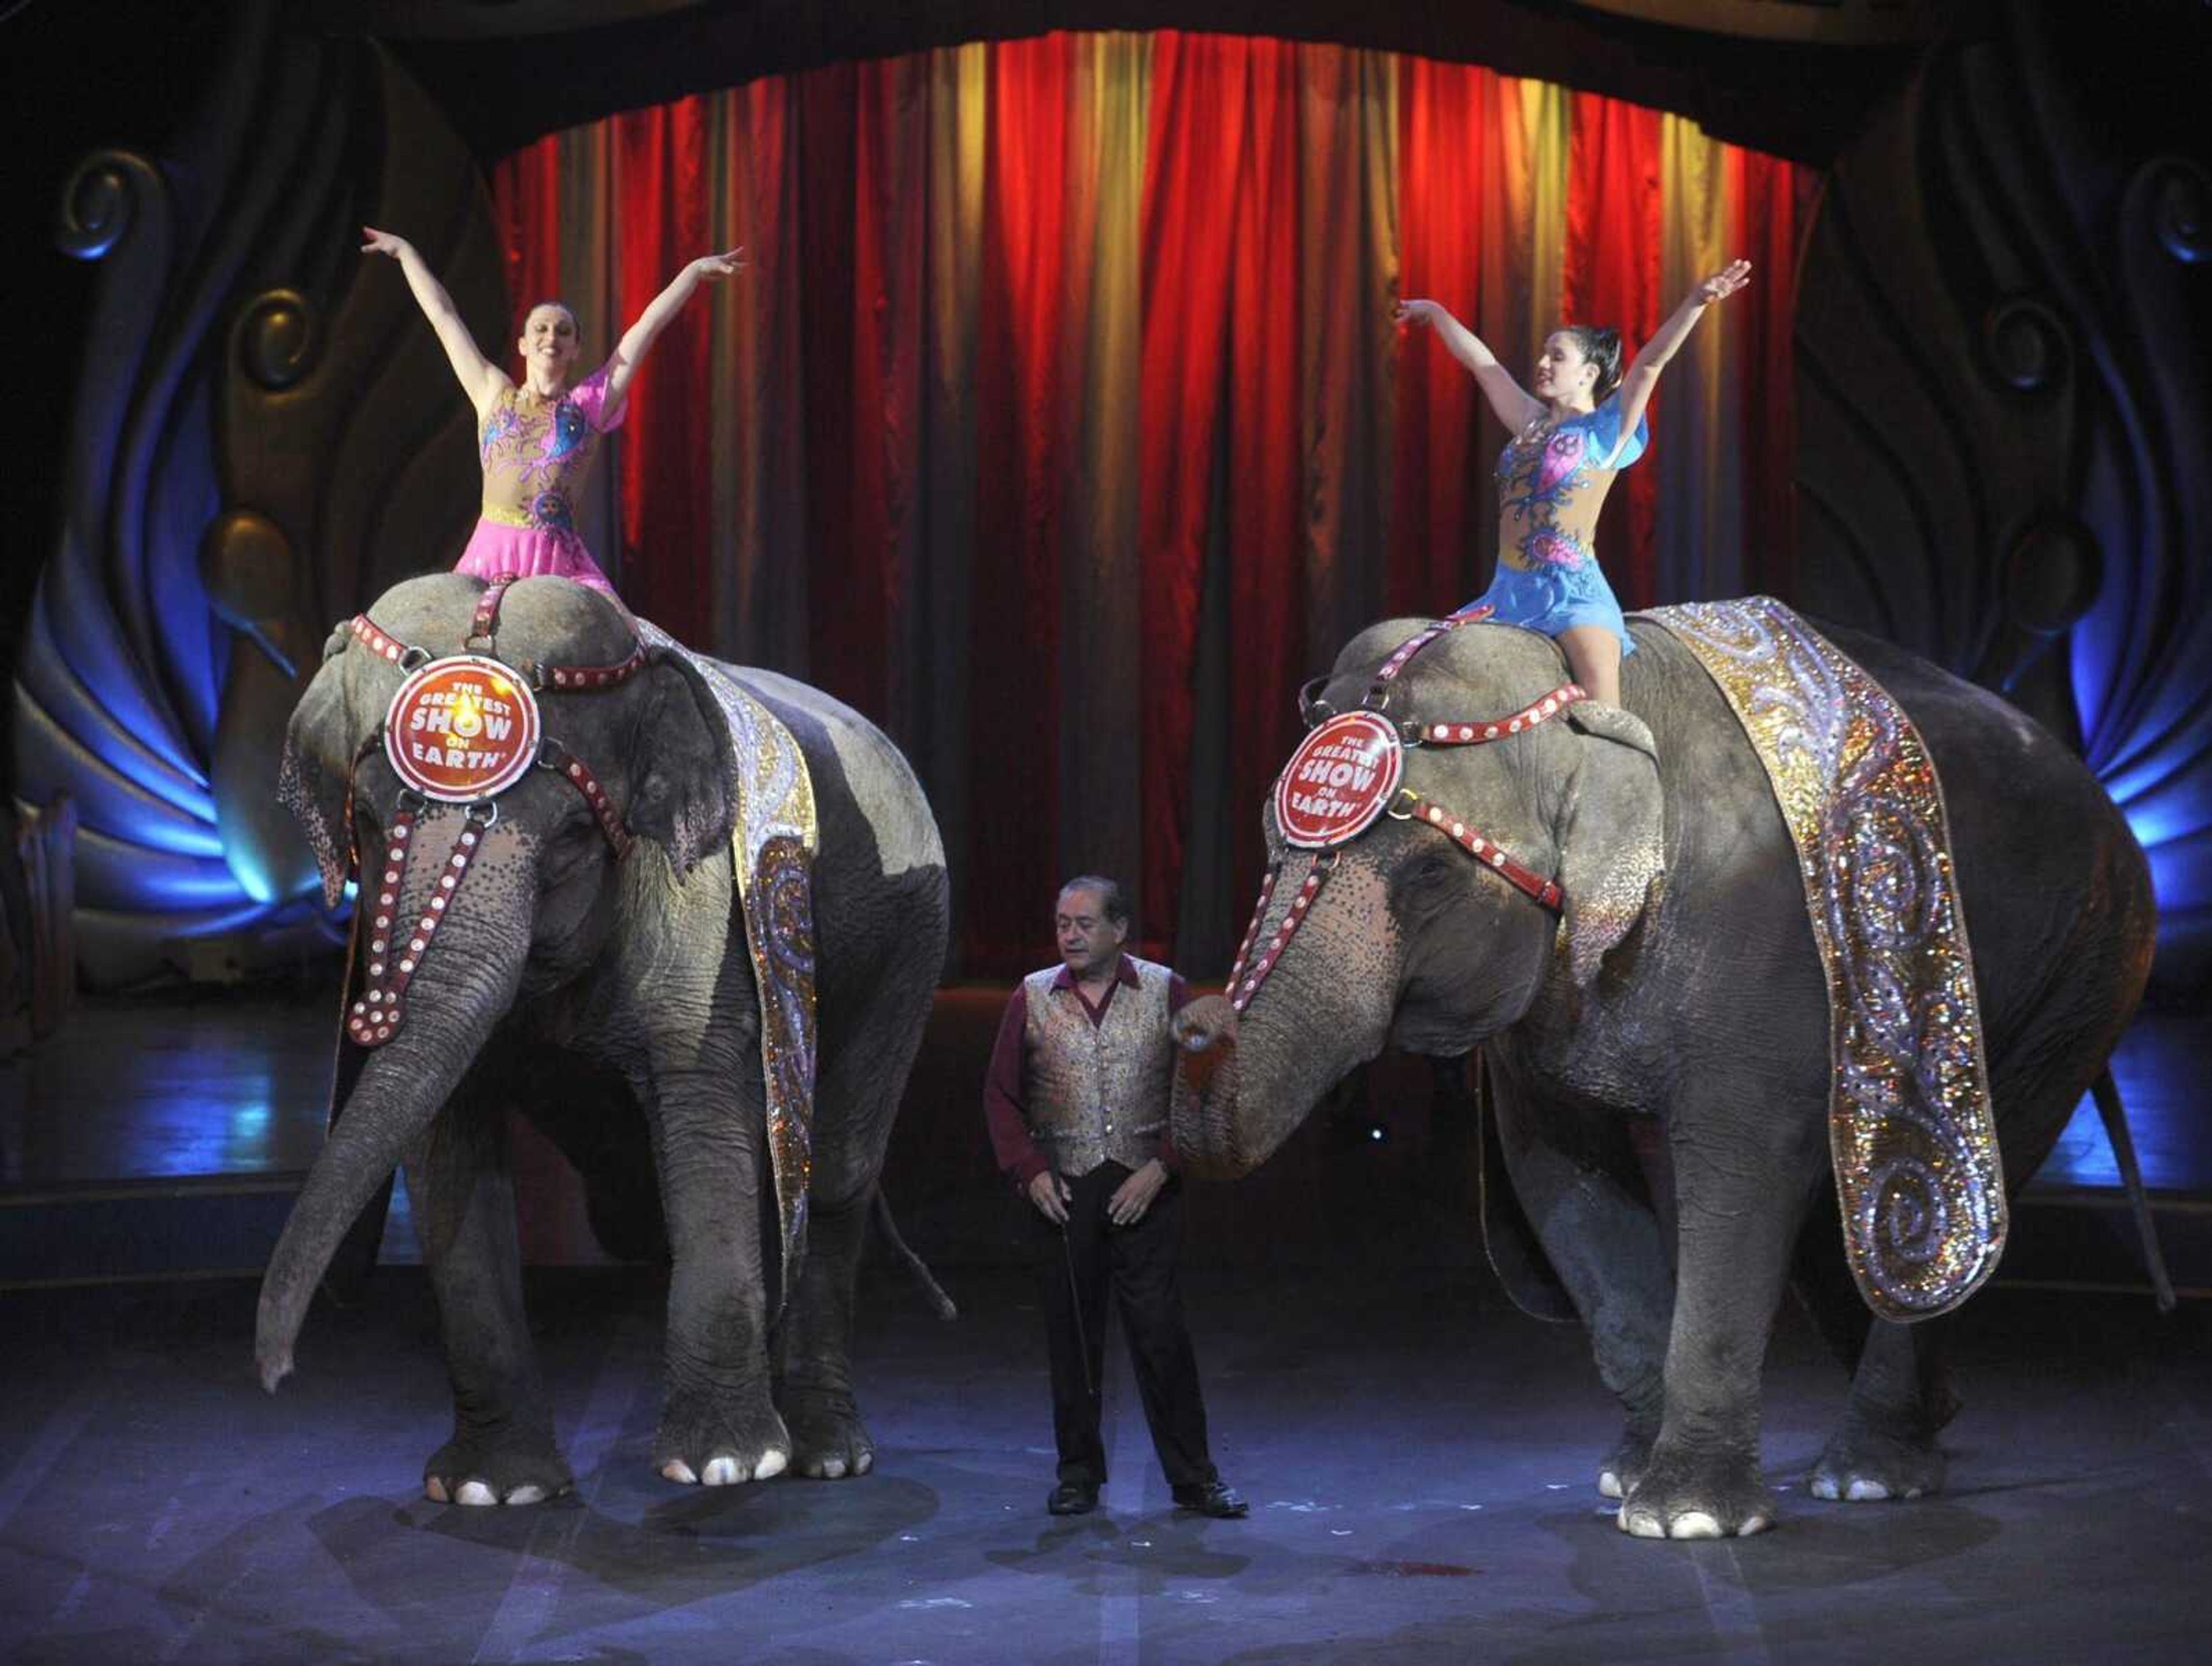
x=1071 y=1499
x=1213 y=1498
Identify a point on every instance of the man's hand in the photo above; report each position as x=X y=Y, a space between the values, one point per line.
x=1050 y=1194
x=1202 y=1021
x=1134 y=1195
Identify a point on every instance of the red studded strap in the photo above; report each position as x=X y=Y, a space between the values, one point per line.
x=1497 y=729
x=377 y=640
x=1243 y=987
x=395 y=951
x=1379 y=690
x=1483 y=849
x=579 y=677
x=573 y=770
x=484 y=626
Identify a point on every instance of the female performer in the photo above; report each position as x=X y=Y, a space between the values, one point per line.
x=536 y=440
x=1583 y=426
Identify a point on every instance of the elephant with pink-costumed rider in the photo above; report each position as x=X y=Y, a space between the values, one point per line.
x=686 y=917
x=1792 y=966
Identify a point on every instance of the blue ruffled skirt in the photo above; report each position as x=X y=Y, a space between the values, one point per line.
x=1552 y=598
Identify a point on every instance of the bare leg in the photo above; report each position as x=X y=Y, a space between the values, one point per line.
x=1593 y=655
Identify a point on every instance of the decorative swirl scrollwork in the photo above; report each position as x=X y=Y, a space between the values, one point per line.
x=277 y=338
x=1911 y=1134
x=101 y=202
x=2052 y=574
x=2028 y=347
x=2173 y=196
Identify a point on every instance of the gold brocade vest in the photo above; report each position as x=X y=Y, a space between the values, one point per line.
x=1096 y=1092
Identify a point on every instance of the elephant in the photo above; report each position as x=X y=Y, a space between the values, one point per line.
x=1657 y=1055
x=610 y=997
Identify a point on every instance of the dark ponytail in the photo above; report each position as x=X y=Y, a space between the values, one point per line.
x=1602 y=347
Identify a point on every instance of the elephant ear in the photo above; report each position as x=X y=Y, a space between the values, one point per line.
x=685 y=793
x=1612 y=854
x=313 y=777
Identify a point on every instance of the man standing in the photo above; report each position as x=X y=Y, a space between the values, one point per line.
x=1077 y=1100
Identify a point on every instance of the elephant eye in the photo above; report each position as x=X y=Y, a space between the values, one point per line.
x=1428 y=882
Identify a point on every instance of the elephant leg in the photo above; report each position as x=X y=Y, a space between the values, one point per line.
x=502 y=1450
x=863 y=1075
x=1739 y=1201
x=1901 y=1397
x=814 y=1391
x=1603 y=1237
x=721 y=1425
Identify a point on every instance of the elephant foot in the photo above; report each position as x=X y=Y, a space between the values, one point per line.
x=829 y=1441
x=709 y=1440
x=512 y=1466
x=1860 y=1464
x=1620 y=1470
x=1682 y=1496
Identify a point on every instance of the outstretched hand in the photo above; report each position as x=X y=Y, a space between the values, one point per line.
x=383 y=243
x=713 y=267
x=1418 y=312
x=1725 y=283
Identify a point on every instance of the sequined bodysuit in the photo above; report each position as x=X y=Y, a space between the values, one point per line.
x=1552 y=480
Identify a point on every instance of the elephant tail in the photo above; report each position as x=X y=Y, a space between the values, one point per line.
x=2114 y=1115
x=933 y=1292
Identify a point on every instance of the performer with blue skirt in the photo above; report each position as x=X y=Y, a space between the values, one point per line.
x=1583 y=425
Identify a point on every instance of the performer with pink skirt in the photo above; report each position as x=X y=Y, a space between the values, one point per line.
x=536 y=440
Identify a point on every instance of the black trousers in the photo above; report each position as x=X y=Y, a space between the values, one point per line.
x=1095 y=1260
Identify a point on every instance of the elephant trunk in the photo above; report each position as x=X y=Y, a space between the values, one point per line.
x=462 y=991
x=1324 y=1009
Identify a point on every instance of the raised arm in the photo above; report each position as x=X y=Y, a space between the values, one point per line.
x=637 y=340
x=479 y=378
x=1643 y=370
x=1515 y=407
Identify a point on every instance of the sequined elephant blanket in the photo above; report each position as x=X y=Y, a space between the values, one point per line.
x=1909 y=1127
x=773 y=843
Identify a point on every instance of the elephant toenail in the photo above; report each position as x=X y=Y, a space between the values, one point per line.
x=862 y=1465
x=721 y=1472
x=1694 y=1524
x=771 y=1463
x=833 y=1469
x=435 y=1490
x=526 y=1495
x=1755 y=1524
x=474 y=1493
x=677 y=1470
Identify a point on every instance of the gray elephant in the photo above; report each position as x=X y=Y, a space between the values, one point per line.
x=594 y=971
x=1681 y=989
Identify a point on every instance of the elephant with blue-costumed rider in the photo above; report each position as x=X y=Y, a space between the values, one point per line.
x=1791 y=967
x=686 y=917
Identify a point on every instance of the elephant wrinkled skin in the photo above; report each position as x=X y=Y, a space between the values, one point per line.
x=1683 y=988
x=613 y=1002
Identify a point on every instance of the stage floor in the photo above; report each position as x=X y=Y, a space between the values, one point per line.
x=1420 y=1467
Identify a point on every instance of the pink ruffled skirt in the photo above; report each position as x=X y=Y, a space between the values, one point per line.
x=531 y=552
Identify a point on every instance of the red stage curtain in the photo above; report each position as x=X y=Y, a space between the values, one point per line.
x=1220 y=467
x=1022 y=447
x=1613 y=249
x=664 y=455
x=1770 y=202
x=1447 y=122
x=526 y=208
x=1053 y=427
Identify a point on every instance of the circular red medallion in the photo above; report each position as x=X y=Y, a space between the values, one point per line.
x=1343 y=775
x=461 y=729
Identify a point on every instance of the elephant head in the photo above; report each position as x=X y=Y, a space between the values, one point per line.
x=543 y=891
x=1413 y=939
